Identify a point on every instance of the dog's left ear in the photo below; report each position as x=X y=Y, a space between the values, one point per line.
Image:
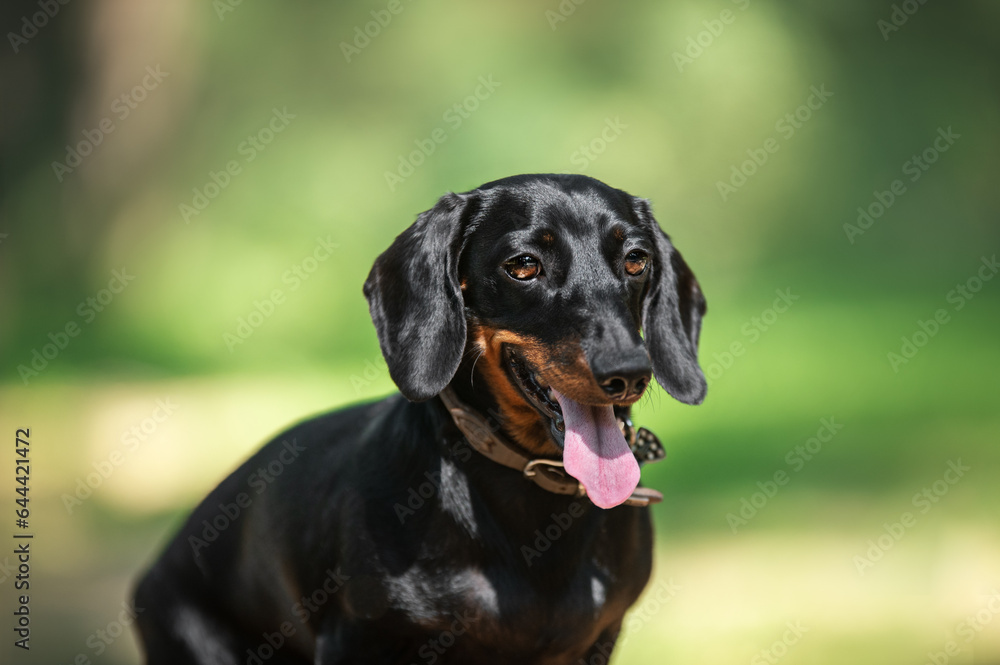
x=671 y=316
x=416 y=302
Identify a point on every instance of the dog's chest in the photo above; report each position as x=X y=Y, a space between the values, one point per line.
x=495 y=610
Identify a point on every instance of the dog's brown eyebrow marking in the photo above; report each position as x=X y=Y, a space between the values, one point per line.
x=619 y=234
x=548 y=238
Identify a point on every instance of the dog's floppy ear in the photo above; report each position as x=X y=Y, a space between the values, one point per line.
x=671 y=316
x=416 y=301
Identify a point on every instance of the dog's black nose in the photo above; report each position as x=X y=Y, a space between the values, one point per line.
x=627 y=380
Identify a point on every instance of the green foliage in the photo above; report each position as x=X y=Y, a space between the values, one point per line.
x=757 y=134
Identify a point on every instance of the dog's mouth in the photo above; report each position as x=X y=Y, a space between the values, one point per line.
x=536 y=393
x=595 y=451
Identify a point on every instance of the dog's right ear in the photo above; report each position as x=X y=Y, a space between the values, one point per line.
x=416 y=301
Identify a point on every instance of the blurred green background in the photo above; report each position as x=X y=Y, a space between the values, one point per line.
x=664 y=99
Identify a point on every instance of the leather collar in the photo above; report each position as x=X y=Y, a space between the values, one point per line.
x=548 y=474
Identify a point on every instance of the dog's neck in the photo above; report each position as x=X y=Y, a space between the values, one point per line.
x=475 y=384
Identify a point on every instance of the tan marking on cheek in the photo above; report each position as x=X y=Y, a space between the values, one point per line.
x=565 y=368
x=521 y=421
x=562 y=366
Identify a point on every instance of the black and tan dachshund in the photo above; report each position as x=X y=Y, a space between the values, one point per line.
x=490 y=513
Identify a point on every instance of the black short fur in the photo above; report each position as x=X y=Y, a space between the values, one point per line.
x=375 y=534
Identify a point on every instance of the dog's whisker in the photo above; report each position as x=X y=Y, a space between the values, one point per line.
x=472 y=372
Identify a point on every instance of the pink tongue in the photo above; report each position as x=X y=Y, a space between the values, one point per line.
x=596 y=453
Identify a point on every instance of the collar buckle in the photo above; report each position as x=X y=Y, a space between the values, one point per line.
x=529 y=468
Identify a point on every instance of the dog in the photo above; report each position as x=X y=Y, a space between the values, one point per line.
x=491 y=512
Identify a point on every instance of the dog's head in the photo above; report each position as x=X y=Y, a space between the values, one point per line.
x=568 y=296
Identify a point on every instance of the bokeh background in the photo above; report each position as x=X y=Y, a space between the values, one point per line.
x=116 y=114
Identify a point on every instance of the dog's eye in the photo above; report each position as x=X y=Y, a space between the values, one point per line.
x=635 y=262
x=523 y=267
